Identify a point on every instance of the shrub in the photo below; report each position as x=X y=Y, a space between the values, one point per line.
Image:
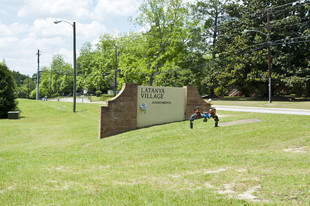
x=221 y=91
x=98 y=93
x=7 y=91
x=55 y=95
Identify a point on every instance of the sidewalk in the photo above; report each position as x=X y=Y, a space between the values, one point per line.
x=78 y=100
x=70 y=99
x=264 y=110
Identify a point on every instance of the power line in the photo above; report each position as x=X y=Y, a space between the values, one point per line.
x=290 y=39
x=291 y=23
x=202 y=65
x=296 y=3
x=263 y=45
x=264 y=12
x=294 y=42
x=238 y=27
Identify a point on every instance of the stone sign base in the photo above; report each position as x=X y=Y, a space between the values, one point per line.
x=138 y=106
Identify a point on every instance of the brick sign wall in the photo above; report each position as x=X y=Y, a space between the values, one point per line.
x=140 y=106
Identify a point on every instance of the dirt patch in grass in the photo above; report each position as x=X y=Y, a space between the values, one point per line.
x=233 y=189
x=224 y=115
x=203 y=171
x=227 y=189
x=297 y=149
x=243 y=121
x=248 y=195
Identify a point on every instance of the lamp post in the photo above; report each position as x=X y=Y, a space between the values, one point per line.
x=38 y=76
x=74 y=60
x=115 y=72
x=269 y=57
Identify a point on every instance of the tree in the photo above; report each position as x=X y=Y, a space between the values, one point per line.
x=131 y=60
x=7 y=91
x=59 y=77
x=244 y=55
x=18 y=78
x=24 y=85
x=56 y=80
x=95 y=66
x=212 y=14
x=27 y=86
x=290 y=31
x=166 y=22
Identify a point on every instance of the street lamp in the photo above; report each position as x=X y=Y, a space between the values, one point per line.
x=269 y=58
x=38 y=77
x=115 y=72
x=74 y=60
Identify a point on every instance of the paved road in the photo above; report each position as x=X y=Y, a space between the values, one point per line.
x=78 y=100
x=70 y=99
x=264 y=110
x=220 y=107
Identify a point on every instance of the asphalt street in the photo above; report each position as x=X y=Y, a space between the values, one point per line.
x=220 y=107
x=263 y=110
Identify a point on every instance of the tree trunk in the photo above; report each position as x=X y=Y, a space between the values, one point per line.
x=308 y=89
x=214 y=48
x=151 y=80
x=214 y=37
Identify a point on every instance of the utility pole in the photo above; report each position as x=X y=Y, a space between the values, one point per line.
x=74 y=67
x=74 y=60
x=28 y=87
x=115 y=72
x=269 y=56
x=38 y=75
x=51 y=81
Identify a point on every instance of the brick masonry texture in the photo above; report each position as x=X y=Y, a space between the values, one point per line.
x=120 y=114
x=194 y=100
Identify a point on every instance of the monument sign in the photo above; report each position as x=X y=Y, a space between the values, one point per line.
x=158 y=105
x=141 y=106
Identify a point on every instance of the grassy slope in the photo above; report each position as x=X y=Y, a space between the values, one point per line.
x=52 y=156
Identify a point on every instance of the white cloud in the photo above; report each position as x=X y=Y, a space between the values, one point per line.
x=146 y=28
x=76 y=9
x=3 y=12
x=189 y=1
x=12 y=30
x=8 y=42
x=19 y=43
x=13 y=2
x=92 y=30
x=46 y=28
x=67 y=54
x=27 y=26
x=106 y=9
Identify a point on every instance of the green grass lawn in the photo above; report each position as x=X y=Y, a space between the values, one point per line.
x=103 y=97
x=51 y=156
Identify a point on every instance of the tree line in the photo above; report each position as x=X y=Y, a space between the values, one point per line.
x=216 y=45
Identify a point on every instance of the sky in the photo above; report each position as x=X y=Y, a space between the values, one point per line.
x=27 y=26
